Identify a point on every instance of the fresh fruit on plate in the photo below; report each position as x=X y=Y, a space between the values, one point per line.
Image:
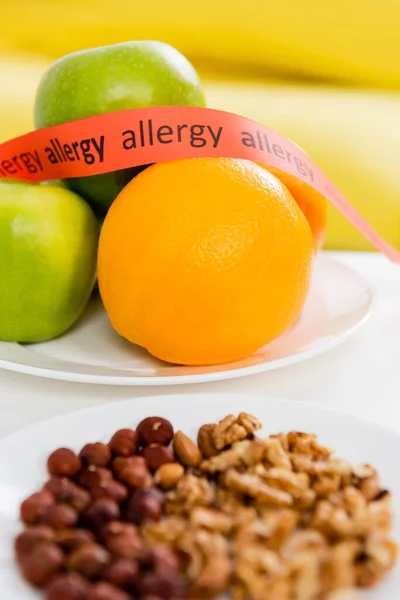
x=204 y=261
x=48 y=245
x=110 y=78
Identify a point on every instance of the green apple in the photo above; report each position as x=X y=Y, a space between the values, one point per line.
x=48 y=247
x=110 y=78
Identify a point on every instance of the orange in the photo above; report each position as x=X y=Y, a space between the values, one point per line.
x=311 y=202
x=204 y=261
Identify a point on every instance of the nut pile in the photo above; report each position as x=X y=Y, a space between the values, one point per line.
x=279 y=518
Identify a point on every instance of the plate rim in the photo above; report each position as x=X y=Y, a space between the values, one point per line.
x=225 y=374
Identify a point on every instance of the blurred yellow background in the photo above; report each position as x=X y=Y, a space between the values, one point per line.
x=324 y=74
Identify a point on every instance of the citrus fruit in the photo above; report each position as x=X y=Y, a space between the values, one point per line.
x=204 y=261
x=312 y=203
x=117 y=77
x=48 y=248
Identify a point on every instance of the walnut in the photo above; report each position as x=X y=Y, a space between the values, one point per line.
x=233 y=429
x=253 y=486
x=214 y=520
x=306 y=443
x=276 y=454
x=191 y=491
x=283 y=479
x=338 y=569
x=245 y=452
x=205 y=440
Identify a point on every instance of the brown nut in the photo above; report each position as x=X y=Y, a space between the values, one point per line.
x=69 y=539
x=27 y=541
x=101 y=511
x=33 y=507
x=65 y=490
x=155 y=430
x=106 y=591
x=205 y=441
x=156 y=455
x=168 y=475
x=164 y=559
x=145 y=505
x=89 y=560
x=123 y=573
x=60 y=516
x=68 y=587
x=94 y=476
x=121 y=462
x=110 y=489
x=186 y=450
x=164 y=585
x=122 y=539
x=40 y=566
x=64 y=463
x=124 y=442
x=97 y=454
x=136 y=476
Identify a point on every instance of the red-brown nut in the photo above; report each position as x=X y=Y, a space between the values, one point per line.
x=106 y=591
x=156 y=455
x=69 y=539
x=164 y=559
x=65 y=490
x=120 y=462
x=97 y=454
x=110 y=489
x=145 y=505
x=101 y=511
x=124 y=442
x=27 y=541
x=162 y=584
x=155 y=430
x=123 y=573
x=42 y=563
x=137 y=476
x=68 y=587
x=151 y=597
x=59 y=516
x=64 y=463
x=122 y=539
x=33 y=507
x=94 y=476
x=89 y=560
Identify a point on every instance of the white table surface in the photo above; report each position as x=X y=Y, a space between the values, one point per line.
x=361 y=376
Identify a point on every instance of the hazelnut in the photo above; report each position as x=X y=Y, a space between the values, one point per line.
x=42 y=563
x=145 y=505
x=123 y=573
x=156 y=455
x=33 y=507
x=124 y=442
x=27 y=541
x=101 y=511
x=97 y=454
x=106 y=591
x=168 y=475
x=121 y=462
x=122 y=539
x=136 y=476
x=155 y=430
x=164 y=559
x=89 y=560
x=110 y=489
x=163 y=585
x=59 y=516
x=93 y=476
x=65 y=490
x=69 y=539
x=68 y=587
x=64 y=463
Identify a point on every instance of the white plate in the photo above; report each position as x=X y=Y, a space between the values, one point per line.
x=338 y=303
x=23 y=455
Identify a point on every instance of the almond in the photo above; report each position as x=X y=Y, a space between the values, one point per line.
x=186 y=450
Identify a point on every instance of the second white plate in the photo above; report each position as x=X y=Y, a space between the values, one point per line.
x=91 y=352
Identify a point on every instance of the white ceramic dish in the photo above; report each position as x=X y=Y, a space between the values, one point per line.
x=339 y=302
x=23 y=455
